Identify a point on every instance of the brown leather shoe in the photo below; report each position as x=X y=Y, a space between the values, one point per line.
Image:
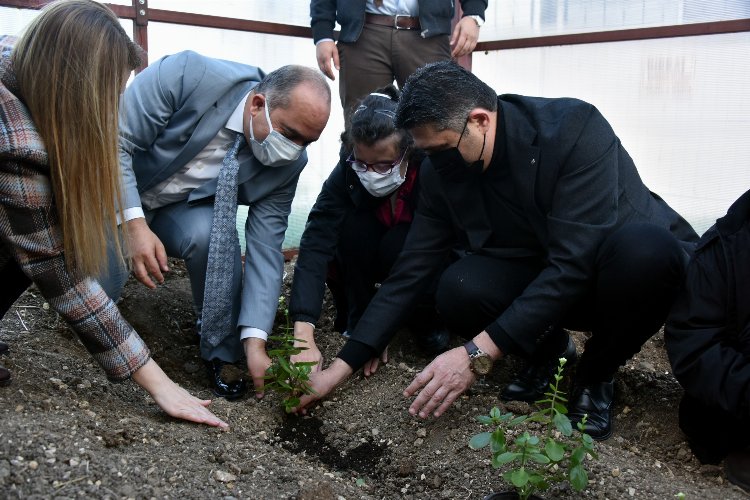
x=4 y=376
x=737 y=468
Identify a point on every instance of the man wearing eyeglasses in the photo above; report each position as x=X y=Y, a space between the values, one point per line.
x=555 y=229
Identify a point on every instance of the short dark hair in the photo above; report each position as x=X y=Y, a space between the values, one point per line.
x=374 y=119
x=279 y=84
x=442 y=94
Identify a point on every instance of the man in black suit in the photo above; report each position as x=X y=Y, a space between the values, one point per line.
x=549 y=226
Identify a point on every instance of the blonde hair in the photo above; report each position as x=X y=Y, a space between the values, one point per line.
x=71 y=65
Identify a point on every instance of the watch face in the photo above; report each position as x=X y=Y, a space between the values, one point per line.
x=481 y=365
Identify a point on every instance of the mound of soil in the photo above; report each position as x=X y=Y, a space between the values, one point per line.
x=67 y=432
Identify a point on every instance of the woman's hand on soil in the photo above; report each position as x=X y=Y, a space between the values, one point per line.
x=173 y=399
x=373 y=364
x=323 y=383
x=441 y=382
x=179 y=403
x=310 y=352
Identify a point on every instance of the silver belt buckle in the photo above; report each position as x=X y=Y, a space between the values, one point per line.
x=395 y=22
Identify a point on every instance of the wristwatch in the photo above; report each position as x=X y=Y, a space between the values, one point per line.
x=477 y=19
x=479 y=361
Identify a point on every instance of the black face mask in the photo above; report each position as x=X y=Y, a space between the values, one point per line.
x=452 y=166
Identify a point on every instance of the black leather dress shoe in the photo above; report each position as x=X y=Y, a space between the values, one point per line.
x=594 y=400
x=533 y=381
x=4 y=348
x=737 y=468
x=435 y=342
x=221 y=388
x=4 y=376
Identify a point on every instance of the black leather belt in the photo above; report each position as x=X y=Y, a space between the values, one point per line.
x=396 y=22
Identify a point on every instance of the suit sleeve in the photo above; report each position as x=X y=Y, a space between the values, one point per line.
x=704 y=358
x=318 y=247
x=582 y=213
x=322 y=18
x=266 y=224
x=30 y=229
x=427 y=245
x=147 y=106
x=474 y=7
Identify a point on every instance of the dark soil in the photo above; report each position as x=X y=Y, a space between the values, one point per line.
x=67 y=432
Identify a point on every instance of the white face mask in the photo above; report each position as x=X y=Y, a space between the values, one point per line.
x=275 y=150
x=380 y=185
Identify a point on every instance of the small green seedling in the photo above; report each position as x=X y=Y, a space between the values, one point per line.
x=290 y=380
x=535 y=460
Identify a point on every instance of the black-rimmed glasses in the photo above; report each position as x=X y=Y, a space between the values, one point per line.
x=383 y=168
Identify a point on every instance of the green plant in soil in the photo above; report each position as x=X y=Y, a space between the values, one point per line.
x=290 y=380
x=542 y=455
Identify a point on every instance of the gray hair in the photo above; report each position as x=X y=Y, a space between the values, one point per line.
x=279 y=84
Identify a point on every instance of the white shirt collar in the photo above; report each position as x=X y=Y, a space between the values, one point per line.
x=235 y=122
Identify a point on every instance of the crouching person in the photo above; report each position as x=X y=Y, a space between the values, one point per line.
x=708 y=341
x=358 y=226
x=59 y=182
x=550 y=227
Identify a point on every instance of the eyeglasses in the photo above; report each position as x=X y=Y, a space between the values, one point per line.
x=379 y=168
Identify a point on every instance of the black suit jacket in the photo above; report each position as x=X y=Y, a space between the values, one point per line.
x=708 y=330
x=342 y=194
x=576 y=184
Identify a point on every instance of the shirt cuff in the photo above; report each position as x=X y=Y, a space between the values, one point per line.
x=130 y=214
x=323 y=40
x=249 y=332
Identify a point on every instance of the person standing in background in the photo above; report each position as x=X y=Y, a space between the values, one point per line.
x=386 y=40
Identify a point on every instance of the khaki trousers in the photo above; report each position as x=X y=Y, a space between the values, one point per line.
x=381 y=55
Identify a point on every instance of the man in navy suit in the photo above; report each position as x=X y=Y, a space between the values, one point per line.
x=180 y=117
x=548 y=226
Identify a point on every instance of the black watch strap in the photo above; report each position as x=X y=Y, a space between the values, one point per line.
x=472 y=349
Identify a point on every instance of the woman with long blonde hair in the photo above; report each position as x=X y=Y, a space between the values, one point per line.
x=60 y=86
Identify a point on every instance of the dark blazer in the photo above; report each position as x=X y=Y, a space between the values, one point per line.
x=342 y=194
x=434 y=17
x=576 y=184
x=708 y=330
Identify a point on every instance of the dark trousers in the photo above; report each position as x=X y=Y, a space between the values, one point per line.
x=365 y=255
x=637 y=274
x=381 y=55
x=712 y=432
x=14 y=281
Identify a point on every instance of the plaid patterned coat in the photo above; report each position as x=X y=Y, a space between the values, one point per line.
x=30 y=234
